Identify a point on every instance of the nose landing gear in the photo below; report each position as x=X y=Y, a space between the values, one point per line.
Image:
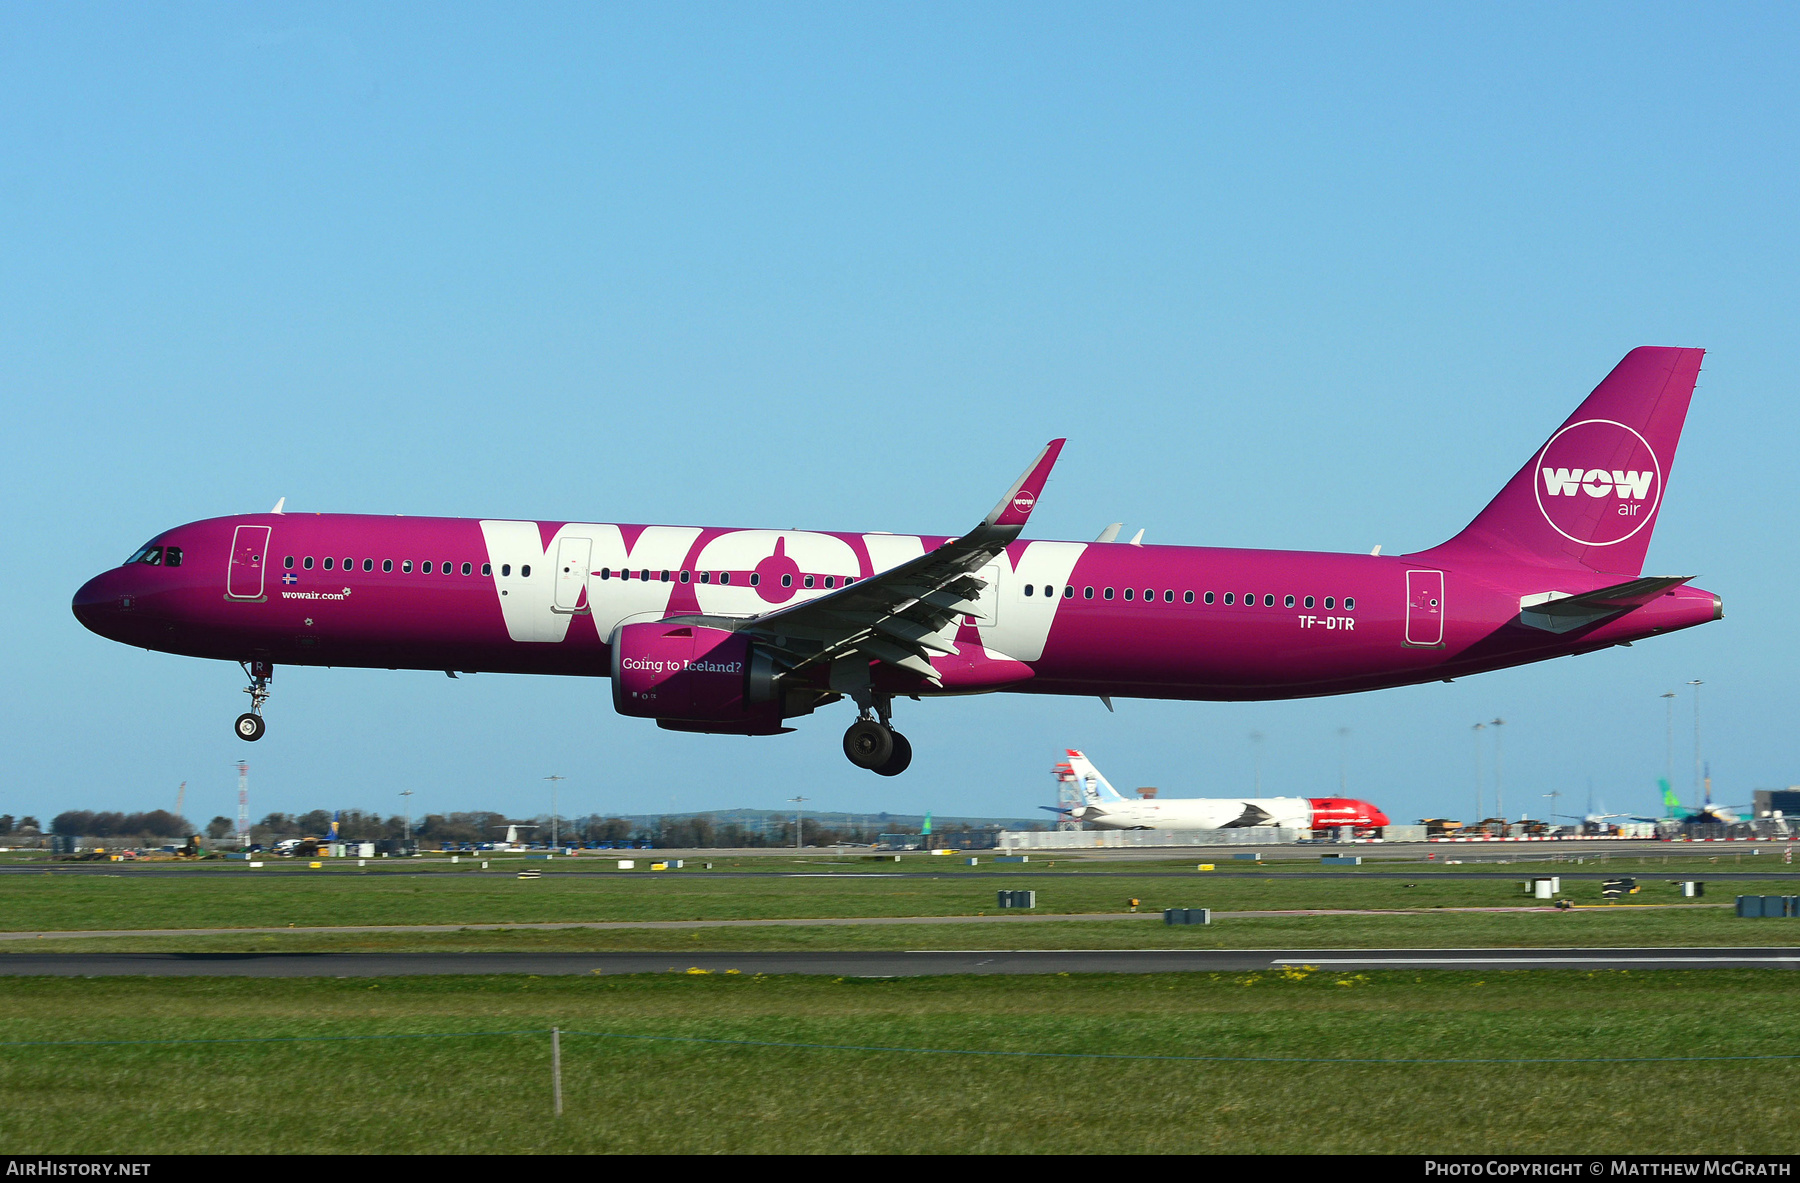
x=873 y=743
x=249 y=725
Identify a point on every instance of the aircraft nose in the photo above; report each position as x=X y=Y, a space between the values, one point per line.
x=1376 y=817
x=100 y=602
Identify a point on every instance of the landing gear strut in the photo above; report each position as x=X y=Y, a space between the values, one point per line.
x=250 y=725
x=873 y=743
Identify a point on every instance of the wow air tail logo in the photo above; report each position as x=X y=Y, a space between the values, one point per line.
x=1591 y=504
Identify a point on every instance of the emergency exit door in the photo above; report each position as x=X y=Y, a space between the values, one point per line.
x=572 y=556
x=1425 y=608
x=249 y=553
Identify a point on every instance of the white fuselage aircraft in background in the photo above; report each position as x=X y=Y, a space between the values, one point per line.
x=1104 y=807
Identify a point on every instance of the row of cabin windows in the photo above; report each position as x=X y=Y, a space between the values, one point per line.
x=406 y=566
x=171 y=557
x=647 y=576
x=1168 y=597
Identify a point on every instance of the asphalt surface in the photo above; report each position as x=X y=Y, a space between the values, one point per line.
x=911 y=963
x=1521 y=870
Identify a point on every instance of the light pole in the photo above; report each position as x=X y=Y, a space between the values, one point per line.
x=1696 y=684
x=1669 y=742
x=798 y=802
x=1499 y=800
x=406 y=818
x=555 y=829
x=1479 y=728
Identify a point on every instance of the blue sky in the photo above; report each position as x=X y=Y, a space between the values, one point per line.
x=1285 y=275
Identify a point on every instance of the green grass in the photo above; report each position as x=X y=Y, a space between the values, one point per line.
x=491 y=1094
x=1603 y=928
x=250 y=898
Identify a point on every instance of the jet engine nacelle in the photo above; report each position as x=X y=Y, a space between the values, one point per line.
x=690 y=678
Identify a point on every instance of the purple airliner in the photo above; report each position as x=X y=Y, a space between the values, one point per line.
x=735 y=631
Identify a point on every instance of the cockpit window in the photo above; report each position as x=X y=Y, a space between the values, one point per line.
x=147 y=554
x=172 y=557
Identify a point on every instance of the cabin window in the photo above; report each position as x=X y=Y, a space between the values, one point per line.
x=1329 y=602
x=1288 y=603
x=1149 y=594
x=368 y=564
x=1087 y=593
x=446 y=565
x=1209 y=597
x=829 y=581
x=724 y=577
x=1107 y=593
x=425 y=566
x=1268 y=601
x=755 y=579
x=1229 y=599
x=686 y=575
x=468 y=569
x=787 y=581
x=706 y=577
x=1128 y=592
x=1187 y=597
x=288 y=562
x=1068 y=593
x=405 y=566
x=807 y=581
x=665 y=577
x=387 y=566
x=1169 y=596
x=1030 y=590
x=307 y=562
x=349 y=564
x=1308 y=601
x=605 y=574
x=1049 y=592
x=1349 y=604
x=487 y=568
x=1249 y=599
x=506 y=569
x=328 y=564
x=525 y=571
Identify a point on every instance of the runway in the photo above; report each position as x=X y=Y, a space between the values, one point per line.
x=908 y=963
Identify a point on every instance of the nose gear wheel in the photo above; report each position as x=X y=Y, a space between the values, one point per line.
x=249 y=726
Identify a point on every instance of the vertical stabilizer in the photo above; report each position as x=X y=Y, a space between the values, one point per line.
x=1094 y=787
x=1588 y=498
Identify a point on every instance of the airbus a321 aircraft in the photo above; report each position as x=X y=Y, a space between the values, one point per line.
x=1105 y=808
x=740 y=631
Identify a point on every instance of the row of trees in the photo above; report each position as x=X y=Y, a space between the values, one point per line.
x=355 y=825
x=158 y=823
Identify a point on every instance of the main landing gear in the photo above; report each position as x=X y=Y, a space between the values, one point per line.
x=250 y=725
x=873 y=743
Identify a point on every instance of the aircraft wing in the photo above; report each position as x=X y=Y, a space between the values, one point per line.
x=1559 y=612
x=904 y=614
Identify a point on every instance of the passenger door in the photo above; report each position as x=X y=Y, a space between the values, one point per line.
x=1425 y=608
x=249 y=553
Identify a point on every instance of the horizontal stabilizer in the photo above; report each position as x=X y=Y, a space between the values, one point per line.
x=1562 y=612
